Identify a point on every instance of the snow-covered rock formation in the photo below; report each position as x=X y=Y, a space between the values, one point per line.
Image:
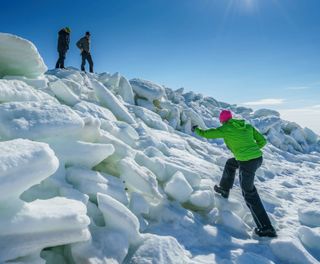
x=98 y=169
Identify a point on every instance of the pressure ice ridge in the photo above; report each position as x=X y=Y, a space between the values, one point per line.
x=96 y=168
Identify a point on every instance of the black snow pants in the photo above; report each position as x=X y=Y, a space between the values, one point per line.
x=247 y=170
x=60 y=61
x=86 y=56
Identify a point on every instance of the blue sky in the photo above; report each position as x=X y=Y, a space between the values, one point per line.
x=258 y=53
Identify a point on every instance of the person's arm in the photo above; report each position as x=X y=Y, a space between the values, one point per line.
x=67 y=41
x=64 y=43
x=259 y=138
x=210 y=133
x=79 y=44
x=59 y=43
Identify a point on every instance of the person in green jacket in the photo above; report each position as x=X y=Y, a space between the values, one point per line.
x=245 y=142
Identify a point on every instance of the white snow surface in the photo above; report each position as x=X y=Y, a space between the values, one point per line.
x=146 y=89
x=96 y=169
x=35 y=120
x=23 y=164
x=19 y=56
x=63 y=93
x=16 y=90
x=178 y=187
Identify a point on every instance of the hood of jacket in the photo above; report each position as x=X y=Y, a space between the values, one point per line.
x=63 y=32
x=239 y=124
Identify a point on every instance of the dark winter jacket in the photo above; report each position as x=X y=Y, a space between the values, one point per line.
x=84 y=43
x=242 y=139
x=63 y=41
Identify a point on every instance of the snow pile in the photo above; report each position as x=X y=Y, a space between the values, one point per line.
x=63 y=93
x=182 y=111
x=27 y=228
x=19 y=56
x=147 y=90
x=113 y=174
x=35 y=161
x=92 y=182
x=93 y=110
x=309 y=216
x=15 y=90
x=178 y=188
x=107 y=99
x=35 y=120
x=160 y=250
x=119 y=217
x=265 y=112
x=291 y=252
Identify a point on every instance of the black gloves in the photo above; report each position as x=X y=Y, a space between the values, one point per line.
x=193 y=128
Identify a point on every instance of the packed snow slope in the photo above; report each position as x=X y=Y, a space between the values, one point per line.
x=98 y=169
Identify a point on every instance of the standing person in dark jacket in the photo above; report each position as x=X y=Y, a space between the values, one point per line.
x=63 y=46
x=84 y=45
x=245 y=142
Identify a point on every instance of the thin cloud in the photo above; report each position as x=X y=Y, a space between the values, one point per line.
x=303 y=87
x=297 y=88
x=266 y=102
x=315 y=83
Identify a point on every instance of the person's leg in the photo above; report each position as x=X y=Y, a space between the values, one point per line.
x=228 y=174
x=227 y=178
x=90 y=61
x=58 y=61
x=83 y=63
x=62 y=58
x=250 y=194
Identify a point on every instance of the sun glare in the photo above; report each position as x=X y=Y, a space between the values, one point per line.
x=245 y=5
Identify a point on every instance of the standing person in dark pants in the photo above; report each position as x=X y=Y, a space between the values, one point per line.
x=245 y=142
x=84 y=45
x=63 y=46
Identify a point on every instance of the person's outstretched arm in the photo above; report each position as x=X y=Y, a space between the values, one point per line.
x=259 y=138
x=210 y=133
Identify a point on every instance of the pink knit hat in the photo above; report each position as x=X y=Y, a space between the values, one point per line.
x=225 y=115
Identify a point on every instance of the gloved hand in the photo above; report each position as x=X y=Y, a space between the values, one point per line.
x=193 y=128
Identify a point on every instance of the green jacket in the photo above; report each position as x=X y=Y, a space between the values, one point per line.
x=242 y=139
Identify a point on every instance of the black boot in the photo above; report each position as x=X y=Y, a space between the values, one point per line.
x=224 y=193
x=266 y=231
